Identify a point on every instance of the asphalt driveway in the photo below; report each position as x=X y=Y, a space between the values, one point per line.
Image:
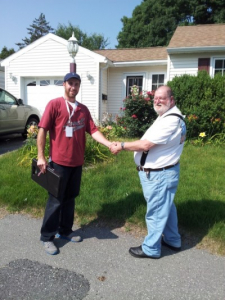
x=10 y=142
x=100 y=267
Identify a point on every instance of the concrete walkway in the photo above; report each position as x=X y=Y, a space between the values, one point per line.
x=101 y=268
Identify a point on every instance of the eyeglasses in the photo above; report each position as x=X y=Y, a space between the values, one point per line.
x=161 y=99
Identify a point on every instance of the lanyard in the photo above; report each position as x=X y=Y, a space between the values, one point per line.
x=74 y=109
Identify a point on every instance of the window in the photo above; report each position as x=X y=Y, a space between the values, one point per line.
x=134 y=80
x=5 y=98
x=58 y=82
x=33 y=83
x=157 y=81
x=220 y=66
x=44 y=82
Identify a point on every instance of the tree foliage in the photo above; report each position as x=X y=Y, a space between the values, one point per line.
x=154 y=22
x=39 y=28
x=91 y=42
x=6 y=52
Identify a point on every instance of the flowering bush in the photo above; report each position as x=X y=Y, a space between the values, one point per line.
x=113 y=132
x=138 y=112
x=32 y=131
x=111 y=128
x=216 y=140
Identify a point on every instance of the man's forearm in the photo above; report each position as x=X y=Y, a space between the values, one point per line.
x=41 y=141
x=139 y=145
x=99 y=137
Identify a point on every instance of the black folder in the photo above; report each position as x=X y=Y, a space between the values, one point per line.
x=51 y=181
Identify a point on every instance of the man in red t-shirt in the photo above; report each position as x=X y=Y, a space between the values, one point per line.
x=67 y=122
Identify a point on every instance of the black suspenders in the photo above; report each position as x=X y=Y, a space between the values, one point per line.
x=145 y=153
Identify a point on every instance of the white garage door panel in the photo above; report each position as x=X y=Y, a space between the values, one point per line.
x=39 y=96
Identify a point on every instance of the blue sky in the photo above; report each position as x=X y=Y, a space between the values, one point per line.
x=92 y=16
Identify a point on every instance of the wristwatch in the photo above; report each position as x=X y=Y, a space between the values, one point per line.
x=122 y=145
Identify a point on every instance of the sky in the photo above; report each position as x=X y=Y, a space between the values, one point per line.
x=91 y=16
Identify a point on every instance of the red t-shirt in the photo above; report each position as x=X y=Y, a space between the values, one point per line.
x=67 y=151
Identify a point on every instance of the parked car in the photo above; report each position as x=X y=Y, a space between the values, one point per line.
x=16 y=117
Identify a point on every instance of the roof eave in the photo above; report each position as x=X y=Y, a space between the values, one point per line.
x=195 y=49
x=140 y=63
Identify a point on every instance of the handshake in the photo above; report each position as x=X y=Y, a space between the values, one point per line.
x=115 y=147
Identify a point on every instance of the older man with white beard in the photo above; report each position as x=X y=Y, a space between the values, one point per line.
x=157 y=156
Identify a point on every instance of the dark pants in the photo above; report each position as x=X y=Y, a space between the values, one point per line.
x=59 y=212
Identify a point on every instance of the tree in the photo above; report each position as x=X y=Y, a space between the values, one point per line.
x=39 y=28
x=154 y=22
x=6 y=52
x=92 y=42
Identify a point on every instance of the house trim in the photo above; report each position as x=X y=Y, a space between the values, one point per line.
x=195 y=49
x=140 y=63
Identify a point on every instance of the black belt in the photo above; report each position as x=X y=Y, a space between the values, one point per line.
x=139 y=168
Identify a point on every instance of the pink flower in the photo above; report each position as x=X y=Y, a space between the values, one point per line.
x=134 y=116
x=124 y=108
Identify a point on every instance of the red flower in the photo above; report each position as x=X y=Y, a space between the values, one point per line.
x=134 y=116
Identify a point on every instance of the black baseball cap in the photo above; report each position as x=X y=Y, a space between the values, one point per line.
x=72 y=75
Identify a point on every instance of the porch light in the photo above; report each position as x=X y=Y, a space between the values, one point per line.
x=72 y=48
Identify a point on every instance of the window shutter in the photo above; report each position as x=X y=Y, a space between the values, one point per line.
x=203 y=64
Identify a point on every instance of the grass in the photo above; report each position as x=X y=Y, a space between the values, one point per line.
x=111 y=192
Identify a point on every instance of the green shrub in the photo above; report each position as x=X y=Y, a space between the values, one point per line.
x=94 y=152
x=202 y=99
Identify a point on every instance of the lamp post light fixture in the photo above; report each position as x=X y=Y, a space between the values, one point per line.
x=72 y=48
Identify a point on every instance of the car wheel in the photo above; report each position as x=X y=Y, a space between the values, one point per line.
x=32 y=121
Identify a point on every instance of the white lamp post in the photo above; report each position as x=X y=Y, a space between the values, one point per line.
x=72 y=48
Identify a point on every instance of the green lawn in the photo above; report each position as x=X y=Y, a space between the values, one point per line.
x=111 y=192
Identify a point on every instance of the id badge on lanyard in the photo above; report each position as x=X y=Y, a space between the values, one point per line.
x=69 y=128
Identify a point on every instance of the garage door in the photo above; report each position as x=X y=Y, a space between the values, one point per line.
x=40 y=91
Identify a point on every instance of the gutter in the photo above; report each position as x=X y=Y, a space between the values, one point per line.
x=140 y=63
x=100 y=96
x=195 y=49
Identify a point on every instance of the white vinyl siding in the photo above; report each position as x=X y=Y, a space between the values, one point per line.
x=188 y=63
x=49 y=60
x=183 y=64
x=117 y=87
x=2 y=79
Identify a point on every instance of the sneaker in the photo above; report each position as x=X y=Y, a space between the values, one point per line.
x=70 y=237
x=50 y=248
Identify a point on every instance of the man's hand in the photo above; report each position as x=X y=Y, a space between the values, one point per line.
x=42 y=165
x=115 y=147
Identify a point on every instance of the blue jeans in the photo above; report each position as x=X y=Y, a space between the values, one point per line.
x=59 y=212
x=159 y=188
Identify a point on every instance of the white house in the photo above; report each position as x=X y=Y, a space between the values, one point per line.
x=2 y=76
x=35 y=73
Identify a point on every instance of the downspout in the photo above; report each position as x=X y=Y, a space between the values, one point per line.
x=100 y=96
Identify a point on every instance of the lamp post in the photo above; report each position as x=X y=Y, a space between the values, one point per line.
x=72 y=48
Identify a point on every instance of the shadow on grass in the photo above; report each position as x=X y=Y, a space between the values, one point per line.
x=198 y=218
